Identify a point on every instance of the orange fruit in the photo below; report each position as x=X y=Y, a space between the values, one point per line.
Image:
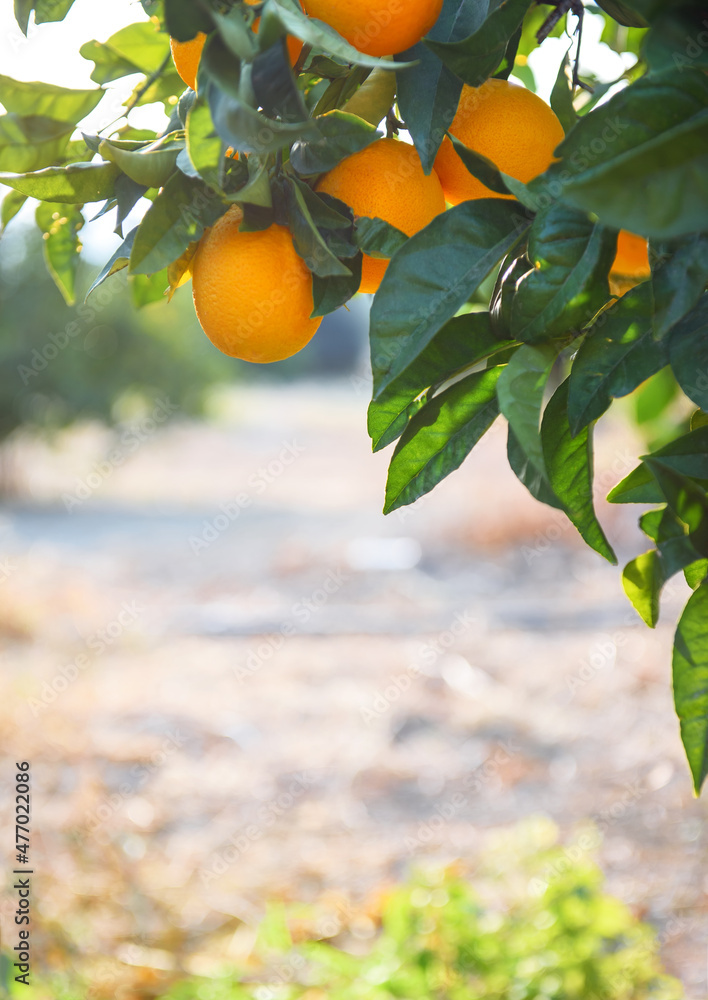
x=509 y=125
x=632 y=258
x=386 y=181
x=252 y=292
x=377 y=27
x=186 y=56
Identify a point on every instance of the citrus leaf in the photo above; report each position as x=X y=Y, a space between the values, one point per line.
x=45 y=99
x=11 y=205
x=74 y=184
x=31 y=142
x=428 y=96
x=520 y=392
x=338 y=135
x=432 y=275
x=642 y=581
x=688 y=455
x=619 y=352
x=440 y=437
x=177 y=217
x=690 y=682
x=476 y=57
x=184 y=19
x=650 y=172
x=149 y=166
x=309 y=242
x=137 y=48
x=118 y=261
x=569 y=462
x=688 y=351
x=480 y=167
x=462 y=342
x=686 y=499
x=374 y=98
x=330 y=294
x=60 y=225
x=534 y=479
x=562 y=96
x=679 y=279
x=148 y=288
x=567 y=283
x=378 y=238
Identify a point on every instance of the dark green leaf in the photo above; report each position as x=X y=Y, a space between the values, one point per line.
x=338 y=135
x=679 y=279
x=186 y=18
x=562 y=96
x=672 y=41
x=45 y=99
x=476 y=57
x=690 y=682
x=642 y=580
x=567 y=283
x=688 y=351
x=308 y=240
x=331 y=293
x=480 y=167
x=535 y=480
x=119 y=260
x=686 y=499
x=618 y=354
x=378 y=238
x=461 y=343
x=623 y=13
x=60 y=225
x=687 y=455
x=428 y=95
x=440 y=437
x=520 y=392
x=569 y=462
x=74 y=184
x=432 y=275
x=640 y=161
x=248 y=130
x=177 y=217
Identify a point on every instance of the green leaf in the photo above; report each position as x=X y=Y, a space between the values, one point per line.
x=32 y=142
x=248 y=130
x=51 y=10
x=440 y=437
x=204 y=147
x=688 y=351
x=176 y=218
x=432 y=275
x=338 y=135
x=461 y=343
x=623 y=13
x=137 y=48
x=562 y=96
x=309 y=242
x=690 y=681
x=378 y=238
x=480 y=167
x=45 y=99
x=672 y=41
x=520 y=392
x=640 y=161
x=567 y=284
x=60 y=225
x=687 y=455
x=149 y=288
x=619 y=352
x=184 y=19
x=75 y=184
x=679 y=279
x=696 y=573
x=535 y=480
x=374 y=98
x=642 y=580
x=476 y=57
x=150 y=165
x=569 y=462
x=686 y=499
x=428 y=95
x=11 y=205
x=330 y=294
x=118 y=261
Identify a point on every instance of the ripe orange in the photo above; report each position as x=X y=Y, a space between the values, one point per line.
x=386 y=181
x=377 y=27
x=186 y=55
x=509 y=125
x=252 y=292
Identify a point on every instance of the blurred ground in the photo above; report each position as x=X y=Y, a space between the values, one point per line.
x=237 y=680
